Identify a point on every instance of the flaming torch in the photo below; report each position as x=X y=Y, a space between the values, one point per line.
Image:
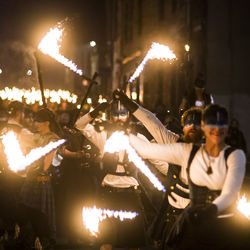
x=50 y=45
x=92 y=216
x=119 y=141
x=156 y=51
x=16 y=160
x=244 y=206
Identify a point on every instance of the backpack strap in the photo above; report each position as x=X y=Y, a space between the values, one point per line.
x=194 y=150
x=227 y=152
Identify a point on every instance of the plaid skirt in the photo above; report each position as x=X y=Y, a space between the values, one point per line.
x=38 y=194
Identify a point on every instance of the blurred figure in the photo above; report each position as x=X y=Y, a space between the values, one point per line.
x=11 y=182
x=235 y=137
x=172 y=123
x=3 y=114
x=161 y=111
x=28 y=119
x=197 y=96
x=37 y=193
x=64 y=114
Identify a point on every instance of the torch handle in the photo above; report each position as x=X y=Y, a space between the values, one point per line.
x=39 y=76
x=91 y=83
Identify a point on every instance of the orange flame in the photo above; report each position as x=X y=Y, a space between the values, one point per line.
x=49 y=45
x=156 y=51
x=244 y=206
x=119 y=141
x=92 y=216
x=16 y=160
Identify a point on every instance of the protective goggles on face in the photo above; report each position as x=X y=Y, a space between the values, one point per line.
x=216 y=126
x=193 y=119
x=121 y=115
x=217 y=120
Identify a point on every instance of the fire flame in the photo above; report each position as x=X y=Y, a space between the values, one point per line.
x=32 y=95
x=92 y=216
x=119 y=141
x=16 y=160
x=50 y=45
x=244 y=206
x=156 y=51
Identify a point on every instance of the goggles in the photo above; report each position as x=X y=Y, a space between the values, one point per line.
x=193 y=119
x=217 y=120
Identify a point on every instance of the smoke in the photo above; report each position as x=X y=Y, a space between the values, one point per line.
x=18 y=65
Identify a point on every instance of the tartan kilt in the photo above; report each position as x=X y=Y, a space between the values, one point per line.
x=129 y=232
x=40 y=196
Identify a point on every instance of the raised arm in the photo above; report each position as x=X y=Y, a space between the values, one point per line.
x=154 y=126
x=148 y=119
x=88 y=130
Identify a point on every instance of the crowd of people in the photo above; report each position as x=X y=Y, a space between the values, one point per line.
x=202 y=168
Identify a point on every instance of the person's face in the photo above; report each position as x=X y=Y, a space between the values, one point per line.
x=41 y=126
x=120 y=119
x=28 y=121
x=214 y=134
x=192 y=133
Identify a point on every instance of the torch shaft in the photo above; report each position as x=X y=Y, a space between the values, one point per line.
x=39 y=76
x=91 y=83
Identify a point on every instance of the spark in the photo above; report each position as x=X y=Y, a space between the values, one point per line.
x=244 y=206
x=50 y=45
x=156 y=51
x=119 y=141
x=16 y=160
x=93 y=216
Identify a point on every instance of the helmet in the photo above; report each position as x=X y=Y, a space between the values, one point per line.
x=118 y=110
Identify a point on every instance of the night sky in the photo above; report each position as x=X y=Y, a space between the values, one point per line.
x=24 y=23
x=29 y=20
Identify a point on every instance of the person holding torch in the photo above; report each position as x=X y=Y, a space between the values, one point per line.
x=215 y=174
x=120 y=188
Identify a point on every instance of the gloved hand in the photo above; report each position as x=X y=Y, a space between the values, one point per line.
x=100 y=108
x=125 y=100
x=200 y=214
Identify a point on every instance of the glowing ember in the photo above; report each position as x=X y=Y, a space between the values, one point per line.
x=16 y=160
x=49 y=45
x=244 y=206
x=92 y=216
x=119 y=141
x=157 y=51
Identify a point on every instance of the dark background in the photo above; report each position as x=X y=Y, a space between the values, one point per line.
x=24 y=23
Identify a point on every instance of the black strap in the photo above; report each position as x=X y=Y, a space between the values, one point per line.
x=194 y=150
x=227 y=152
